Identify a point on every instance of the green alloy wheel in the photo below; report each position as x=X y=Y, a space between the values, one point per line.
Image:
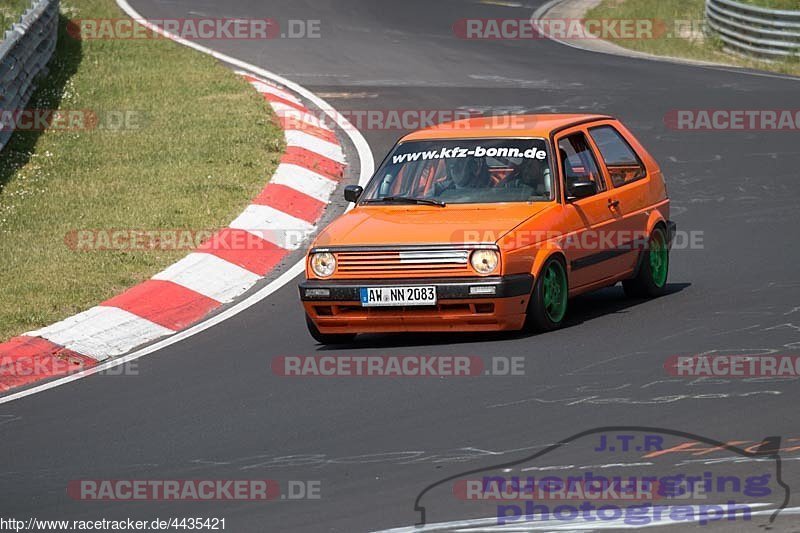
x=651 y=279
x=548 y=304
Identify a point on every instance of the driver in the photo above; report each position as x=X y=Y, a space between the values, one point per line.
x=465 y=173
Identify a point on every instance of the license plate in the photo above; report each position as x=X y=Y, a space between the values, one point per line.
x=397 y=296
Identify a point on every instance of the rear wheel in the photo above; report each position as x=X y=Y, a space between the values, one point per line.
x=328 y=338
x=651 y=280
x=548 y=304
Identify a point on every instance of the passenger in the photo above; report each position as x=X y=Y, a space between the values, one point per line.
x=533 y=173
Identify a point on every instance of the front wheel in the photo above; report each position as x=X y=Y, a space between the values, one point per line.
x=548 y=304
x=651 y=280
x=328 y=338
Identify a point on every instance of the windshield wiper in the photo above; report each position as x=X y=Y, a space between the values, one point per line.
x=407 y=200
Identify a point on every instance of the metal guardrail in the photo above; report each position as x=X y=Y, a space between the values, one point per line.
x=24 y=52
x=755 y=31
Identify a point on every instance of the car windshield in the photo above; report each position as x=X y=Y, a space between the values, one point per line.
x=464 y=171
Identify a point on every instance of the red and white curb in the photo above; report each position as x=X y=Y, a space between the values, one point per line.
x=279 y=220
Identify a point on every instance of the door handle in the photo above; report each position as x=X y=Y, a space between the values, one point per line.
x=613 y=204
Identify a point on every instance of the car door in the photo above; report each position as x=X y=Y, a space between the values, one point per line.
x=593 y=220
x=629 y=181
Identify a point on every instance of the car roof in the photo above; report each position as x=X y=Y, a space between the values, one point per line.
x=540 y=125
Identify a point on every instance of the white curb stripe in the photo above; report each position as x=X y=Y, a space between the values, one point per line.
x=210 y=275
x=271 y=89
x=274 y=226
x=305 y=181
x=102 y=332
x=291 y=113
x=315 y=144
x=264 y=86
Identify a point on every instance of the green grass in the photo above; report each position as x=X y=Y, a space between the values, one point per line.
x=10 y=11
x=204 y=147
x=684 y=39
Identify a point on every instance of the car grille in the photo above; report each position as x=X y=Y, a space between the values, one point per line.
x=402 y=263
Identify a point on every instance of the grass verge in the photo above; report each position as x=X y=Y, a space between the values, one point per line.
x=195 y=145
x=684 y=39
x=10 y=11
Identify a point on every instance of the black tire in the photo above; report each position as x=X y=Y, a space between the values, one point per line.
x=646 y=283
x=328 y=338
x=539 y=319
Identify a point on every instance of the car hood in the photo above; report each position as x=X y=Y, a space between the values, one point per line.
x=416 y=224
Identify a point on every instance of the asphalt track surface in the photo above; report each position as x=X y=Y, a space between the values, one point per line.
x=211 y=408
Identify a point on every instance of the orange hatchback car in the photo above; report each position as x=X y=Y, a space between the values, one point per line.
x=475 y=225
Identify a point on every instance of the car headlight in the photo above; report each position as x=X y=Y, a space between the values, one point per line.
x=323 y=264
x=484 y=261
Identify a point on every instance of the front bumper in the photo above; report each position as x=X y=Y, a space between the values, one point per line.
x=458 y=309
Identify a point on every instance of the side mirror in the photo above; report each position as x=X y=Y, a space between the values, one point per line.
x=353 y=192
x=582 y=189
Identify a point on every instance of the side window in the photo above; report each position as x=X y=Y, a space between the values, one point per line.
x=578 y=164
x=623 y=164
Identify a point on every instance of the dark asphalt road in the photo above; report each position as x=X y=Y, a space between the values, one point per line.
x=210 y=407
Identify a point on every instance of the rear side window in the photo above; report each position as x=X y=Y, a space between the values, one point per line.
x=623 y=164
